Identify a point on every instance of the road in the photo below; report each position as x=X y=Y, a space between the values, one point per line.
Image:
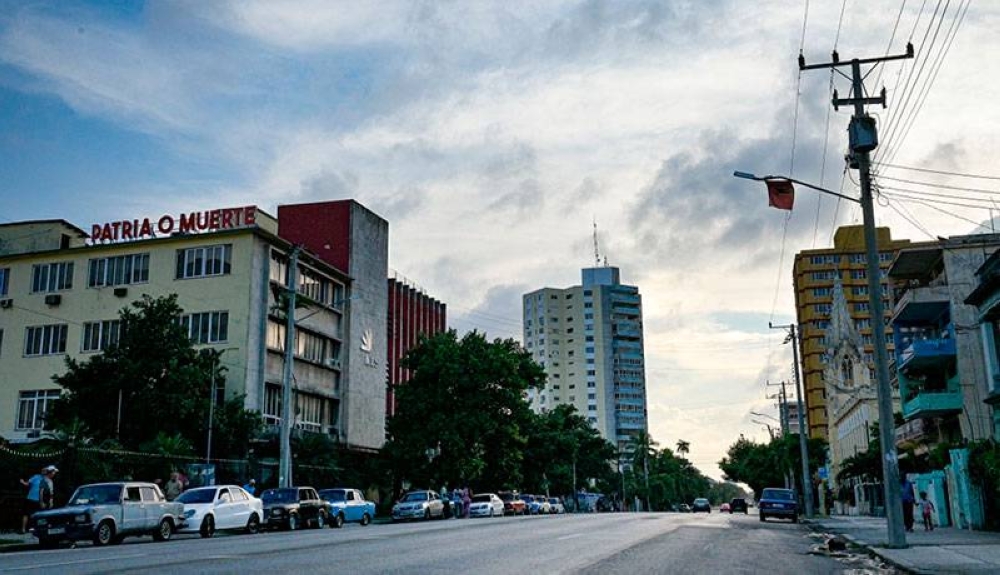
x=587 y=544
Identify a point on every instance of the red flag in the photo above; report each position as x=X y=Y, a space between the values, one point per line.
x=780 y=194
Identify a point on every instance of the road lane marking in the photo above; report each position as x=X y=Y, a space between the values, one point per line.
x=74 y=562
x=571 y=536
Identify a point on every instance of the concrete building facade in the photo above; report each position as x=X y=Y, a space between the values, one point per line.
x=815 y=274
x=60 y=296
x=589 y=340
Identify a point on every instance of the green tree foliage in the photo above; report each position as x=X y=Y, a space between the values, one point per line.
x=761 y=465
x=462 y=416
x=161 y=383
x=559 y=442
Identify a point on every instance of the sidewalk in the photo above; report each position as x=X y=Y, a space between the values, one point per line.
x=14 y=541
x=944 y=550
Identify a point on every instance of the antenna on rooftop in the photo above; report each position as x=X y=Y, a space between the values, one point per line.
x=597 y=251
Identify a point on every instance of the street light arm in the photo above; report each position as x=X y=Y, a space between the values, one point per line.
x=749 y=176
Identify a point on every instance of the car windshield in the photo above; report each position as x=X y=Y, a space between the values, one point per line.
x=481 y=499
x=527 y=498
x=280 y=496
x=554 y=501
x=97 y=495
x=415 y=496
x=333 y=494
x=197 y=496
x=779 y=494
x=701 y=501
x=507 y=496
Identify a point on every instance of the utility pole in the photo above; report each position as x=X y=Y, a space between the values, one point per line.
x=807 y=491
x=864 y=139
x=285 y=462
x=783 y=415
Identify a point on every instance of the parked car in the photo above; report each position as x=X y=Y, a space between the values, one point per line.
x=512 y=504
x=556 y=505
x=423 y=504
x=684 y=508
x=776 y=502
x=108 y=512
x=208 y=509
x=544 y=507
x=292 y=508
x=701 y=504
x=348 y=505
x=737 y=505
x=724 y=508
x=531 y=506
x=486 y=505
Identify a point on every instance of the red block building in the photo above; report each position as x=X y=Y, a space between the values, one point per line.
x=412 y=313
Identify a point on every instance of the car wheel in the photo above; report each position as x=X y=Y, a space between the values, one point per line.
x=104 y=534
x=293 y=522
x=207 y=529
x=427 y=515
x=366 y=519
x=762 y=517
x=338 y=521
x=795 y=519
x=320 y=520
x=253 y=524
x=164 y=530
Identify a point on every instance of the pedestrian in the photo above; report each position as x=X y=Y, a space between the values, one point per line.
x=908 y=500
x=39 y=496
x=926 y=509
x=251 y=486
x=466 y=501
x=174 y=486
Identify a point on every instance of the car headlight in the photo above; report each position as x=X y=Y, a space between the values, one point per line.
x=42 y=522
x=277 y=511
x=82 y=518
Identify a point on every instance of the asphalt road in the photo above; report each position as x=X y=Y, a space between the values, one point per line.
x=591 y=544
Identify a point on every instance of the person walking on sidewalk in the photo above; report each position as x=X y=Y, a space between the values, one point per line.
x=908 y=499
x=926 y=509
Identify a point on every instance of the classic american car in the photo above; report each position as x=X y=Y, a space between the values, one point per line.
x=108 y=512
x=294 y=507
x=348 y=505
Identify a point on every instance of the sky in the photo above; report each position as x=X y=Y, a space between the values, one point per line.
x=492 y=136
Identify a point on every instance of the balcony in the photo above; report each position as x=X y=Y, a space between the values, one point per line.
x=923 y=352
x=932 y=404
x=921 y=304
x=915 y=431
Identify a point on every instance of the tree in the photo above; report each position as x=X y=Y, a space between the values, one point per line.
x=152 y=383
x=561 y=443
x=462 y=416
x=761 y=465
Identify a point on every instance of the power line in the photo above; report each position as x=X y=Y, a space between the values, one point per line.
x=899 y=15
x=937 y=185
x=942 y=172
x=936 y=208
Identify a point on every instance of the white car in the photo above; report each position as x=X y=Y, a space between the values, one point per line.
x=208 y=509
x=556 y=505
x=486 y=505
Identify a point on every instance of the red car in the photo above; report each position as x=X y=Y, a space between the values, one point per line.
x=512 y=504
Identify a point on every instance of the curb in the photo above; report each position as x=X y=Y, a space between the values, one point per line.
x=869 y=549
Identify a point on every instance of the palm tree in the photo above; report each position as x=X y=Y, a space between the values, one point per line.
x=642 y=447
x=683 y=447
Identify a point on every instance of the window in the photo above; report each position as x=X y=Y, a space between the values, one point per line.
x=32 y=407
x=310 y=411
x=272 y=404
x=47 y=278
x=588 y=316
x=859 y=290
x=885 y=257
x=824 y=275
x=821 y=292
x=204 y=261
x=857 y=258
x=99 y=335
x=589 y=349
x=822 y=308
x=207 y=327
x=826 y=259
x=4 y=281
x=861 y=307
x=45 y=340
x=118 y=270
x=588 y=305
x=858 y=274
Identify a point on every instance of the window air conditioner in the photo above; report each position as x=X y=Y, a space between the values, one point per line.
x=6 y=303
x=121 y=292
x=53 y=299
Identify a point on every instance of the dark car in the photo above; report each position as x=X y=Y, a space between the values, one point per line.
x=701 y=504
x=775 y=502
x=737 y=505
x=108 y=512
x=512 y=503
x=294 y=507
